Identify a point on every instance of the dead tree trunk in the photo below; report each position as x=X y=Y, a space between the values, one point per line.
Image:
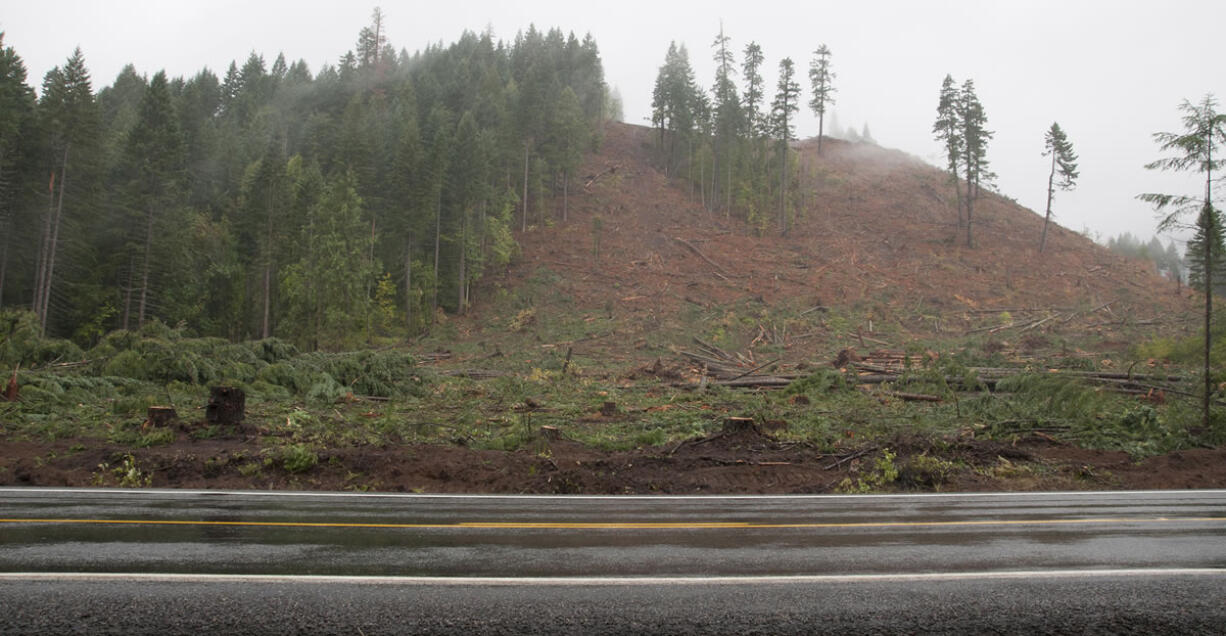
x=524 y=219
x=55 y=240
x=438 y=229
x=127 y=292
x=144 y=277
x=1051 y=180
x=408 y=286
x=44 y=249
x=463 y=265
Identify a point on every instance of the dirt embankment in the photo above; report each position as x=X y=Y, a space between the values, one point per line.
x=745 y=462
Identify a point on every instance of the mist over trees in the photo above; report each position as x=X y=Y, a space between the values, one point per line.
x=1167 y=260
x=326 y=207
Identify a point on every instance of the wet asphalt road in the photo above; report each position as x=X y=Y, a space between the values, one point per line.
x=1056 y=562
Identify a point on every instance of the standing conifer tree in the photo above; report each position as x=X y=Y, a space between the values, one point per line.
x=786 y=104
x=948 y=130
x=751 y=67
x=69 y=114
x=16 y=114
x=822 y=79
x=154 y=160
x=1196 y=150
x=975 y=136
x=726 y=109
x=1063 y=164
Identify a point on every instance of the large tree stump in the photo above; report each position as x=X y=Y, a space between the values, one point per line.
x=227 y=406
x=739 y=425
x=160 y=416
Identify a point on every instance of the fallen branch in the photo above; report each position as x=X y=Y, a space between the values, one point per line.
x=695 y=250
x=592 y=178
x=850 y=457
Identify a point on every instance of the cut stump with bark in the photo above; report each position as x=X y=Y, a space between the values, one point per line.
x=227 y=406
x=739 y=425
x=160 y=416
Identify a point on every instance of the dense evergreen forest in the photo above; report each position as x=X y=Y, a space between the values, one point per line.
x=329 y=208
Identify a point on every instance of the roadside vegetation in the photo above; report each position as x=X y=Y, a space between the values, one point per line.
x=501 y=394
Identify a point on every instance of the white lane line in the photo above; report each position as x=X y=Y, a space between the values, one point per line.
x=613 y=580
x=1079 y=494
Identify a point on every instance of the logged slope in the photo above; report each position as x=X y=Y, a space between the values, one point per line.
x=876 y=236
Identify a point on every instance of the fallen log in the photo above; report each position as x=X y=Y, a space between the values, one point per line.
x=592 y=178
x=910 y=397
x=697 y=251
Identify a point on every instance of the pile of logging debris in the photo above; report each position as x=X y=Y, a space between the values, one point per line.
x=891 y=367
x=735 y=369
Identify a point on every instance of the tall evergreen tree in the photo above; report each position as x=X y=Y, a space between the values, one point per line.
x=822 y=80
x=726 y=108
x=70 y=118
x=154 y=163
x=785 y=105
x=674 y=101
x=751 y=69
x=16 y=118
x=1063 y=164
x=975 y=136
x=1196 y=149
x=948 y=130
x=326 y=289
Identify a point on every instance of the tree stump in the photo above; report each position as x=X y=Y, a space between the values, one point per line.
x=739 y=425
x=160 y=416
x=227 y=406
x=551 y=433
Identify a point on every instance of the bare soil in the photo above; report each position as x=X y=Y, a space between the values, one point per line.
x=733 y=463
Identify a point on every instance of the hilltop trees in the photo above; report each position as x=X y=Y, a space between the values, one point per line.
x=961 y=125
x=1196 y=149
x=1063 y=164
x=675 y=103
x=733 y=146
x=822 y=80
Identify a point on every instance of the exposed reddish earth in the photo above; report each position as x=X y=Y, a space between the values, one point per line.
x=877 y=226
x=744 y=462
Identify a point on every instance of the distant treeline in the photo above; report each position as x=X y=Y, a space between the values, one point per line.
x=1167 y=260
x=325 y=207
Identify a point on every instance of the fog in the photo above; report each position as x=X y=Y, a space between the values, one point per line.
x=1111 y=73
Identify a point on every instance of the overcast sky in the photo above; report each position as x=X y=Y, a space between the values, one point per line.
x=1110 y=72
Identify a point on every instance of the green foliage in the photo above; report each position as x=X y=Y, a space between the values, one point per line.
x=280 y=201
x=925 y=471
x=817 y=383
x=882 y=476
x=126 y=475
x=297 y=458
x=21 y=342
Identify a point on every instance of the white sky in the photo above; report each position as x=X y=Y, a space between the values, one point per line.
x=1111 y=72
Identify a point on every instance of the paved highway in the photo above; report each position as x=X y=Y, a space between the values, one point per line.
x=107 y=560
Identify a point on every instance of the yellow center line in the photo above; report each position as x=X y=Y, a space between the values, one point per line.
x=623 y=525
